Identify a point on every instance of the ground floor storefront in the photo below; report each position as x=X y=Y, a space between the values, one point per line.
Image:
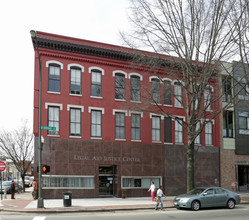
x=234 y=171
x=91 y=169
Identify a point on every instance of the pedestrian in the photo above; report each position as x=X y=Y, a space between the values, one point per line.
x=35 y=189
x=159 y=197
x=13 y=189
x=152 y=190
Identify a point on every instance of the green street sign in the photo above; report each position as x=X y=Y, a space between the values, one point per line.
x=48 y=128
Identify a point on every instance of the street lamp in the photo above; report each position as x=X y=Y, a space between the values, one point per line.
x=40 y=203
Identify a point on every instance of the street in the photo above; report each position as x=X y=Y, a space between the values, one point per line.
x=241 y=212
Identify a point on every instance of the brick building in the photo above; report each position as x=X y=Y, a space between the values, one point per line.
x=235 y=124
x=101 y=145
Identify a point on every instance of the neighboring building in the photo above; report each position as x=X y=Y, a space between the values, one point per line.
x=100 y=146
x=235 y=150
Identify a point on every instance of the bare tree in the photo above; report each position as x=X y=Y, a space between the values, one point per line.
x=17 y=146
x=197 y=36
x=241 y=37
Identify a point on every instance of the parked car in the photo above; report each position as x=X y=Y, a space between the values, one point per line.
x=207 y=197
x=27 y=181
x=6 y=185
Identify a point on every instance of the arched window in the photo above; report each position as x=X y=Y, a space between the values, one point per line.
x=54 y=77
x=166 y=92
x=155 y=91
x=119 y=86
x=135 y=88
x=178 y=94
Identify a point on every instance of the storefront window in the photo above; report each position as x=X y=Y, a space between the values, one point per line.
x=68 y=181
x=140 y=182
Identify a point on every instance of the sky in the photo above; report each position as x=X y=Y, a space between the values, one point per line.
x=96 y=20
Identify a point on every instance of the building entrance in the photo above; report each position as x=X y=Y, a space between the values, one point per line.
x=243 y=177
x=107 y=180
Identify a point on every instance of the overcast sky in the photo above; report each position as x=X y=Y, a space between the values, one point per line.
x=97 y=20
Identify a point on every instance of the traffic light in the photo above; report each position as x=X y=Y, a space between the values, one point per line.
x=45 y=169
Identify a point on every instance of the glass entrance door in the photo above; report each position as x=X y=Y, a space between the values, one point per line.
x=106 y=180
x=243 y=177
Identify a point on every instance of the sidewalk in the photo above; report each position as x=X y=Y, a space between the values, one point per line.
x=25 y=203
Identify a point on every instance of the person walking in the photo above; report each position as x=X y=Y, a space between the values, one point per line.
x=152 y=190
x=13 y=189
x=159 y=197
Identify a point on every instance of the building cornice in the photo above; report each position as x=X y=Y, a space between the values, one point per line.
x=82 y=49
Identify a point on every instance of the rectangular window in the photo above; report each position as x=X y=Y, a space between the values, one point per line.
x=135 y=127
x=96 y=83
x=75 y=81
x=119 y=125
x=75 y=122
x=226 y=88
x=167 y=130
x=96 y=123
x=54 y=78
x=156 y=128
x=207 y=99
x=167 y=92
x=178 y=131
x=155 y=91
x=119 y=86
x=135 y=88
x=209 y=133
x=198 y=138
x=140 y=182
x=55 y=181
x=178 y=95
x=244 y=123
x=228 y=124
x=54 y=119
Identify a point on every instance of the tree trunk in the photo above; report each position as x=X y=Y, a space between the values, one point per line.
x=190 y=167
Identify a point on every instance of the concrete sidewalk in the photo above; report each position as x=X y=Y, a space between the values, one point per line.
x=25 y=203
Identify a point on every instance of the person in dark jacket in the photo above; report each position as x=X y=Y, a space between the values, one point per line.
x=13 y=189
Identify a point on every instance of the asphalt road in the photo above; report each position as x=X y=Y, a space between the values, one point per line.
x=241 y=212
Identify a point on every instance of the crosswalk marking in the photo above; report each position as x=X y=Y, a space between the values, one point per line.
x=39 y=218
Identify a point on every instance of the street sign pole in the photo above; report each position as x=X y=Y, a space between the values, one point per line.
x=1 y=187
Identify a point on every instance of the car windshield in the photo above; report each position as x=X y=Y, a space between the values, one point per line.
x=196 y=191
x=6 y=183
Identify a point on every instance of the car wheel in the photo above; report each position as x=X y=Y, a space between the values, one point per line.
x=230 y=204
x=195 y=205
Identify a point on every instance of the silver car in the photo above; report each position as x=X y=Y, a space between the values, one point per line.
x=207 y=197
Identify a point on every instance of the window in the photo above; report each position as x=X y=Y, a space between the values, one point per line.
x=167 y=92
x=226 y=88
x=178 y=131
x=167 y=130
x=75 y=122
x=135 y=88
x=228 y=124
x=54 y=78
x=140 y=182
x=55 y=181
x=54 y=119
x=96 y=83
x=207 y=99
x=198 y=138
x=209 y=133
x=156 y=128
x=119 y=86
x=135 y=127
x=75 y=81
x=244 y=123
x=178 y=95
x=96 y=123
x=155 y=91
x=119 y=125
